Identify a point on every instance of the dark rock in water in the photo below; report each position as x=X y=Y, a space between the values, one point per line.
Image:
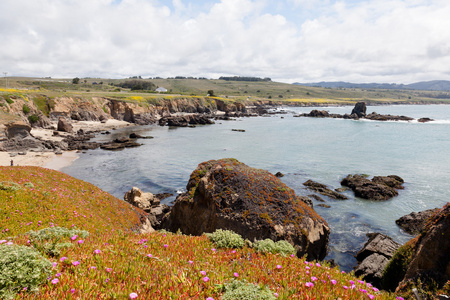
x=324 y=205
x=414 y=222
x=138 y=136
x=376 y=117
x=319 y=113
x=426 y=257
x=359 y=109
x=424 y=120
x=379 y=188
x=185 y=121
x=279 y=174
x=64 y=125
x=374 y=256
x=163 y=196
x=227 y=194
x=119 y=144
x=238 y=130
x=316 y=197
x=324 y=190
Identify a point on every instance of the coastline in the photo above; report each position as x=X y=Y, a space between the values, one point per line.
x=50 y=160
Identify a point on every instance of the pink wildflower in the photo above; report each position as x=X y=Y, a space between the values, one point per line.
x=74 y=237
x=370 y=296
x=133 y=296
x=313 y=278
x=236 y=274
x=205 y=279
x=55 y=281
x=76 y=263
x=97 y=251
x=108 y=269
x=309 y=284
x=80 y=241
x=279 y=267
x=203 y=273
x=333 y=281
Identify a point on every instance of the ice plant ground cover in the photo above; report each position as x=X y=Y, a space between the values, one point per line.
x=114 y=261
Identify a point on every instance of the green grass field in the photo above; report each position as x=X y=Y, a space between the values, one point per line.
x=233 y=90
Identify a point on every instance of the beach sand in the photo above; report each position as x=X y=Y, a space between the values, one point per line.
x=49 y=159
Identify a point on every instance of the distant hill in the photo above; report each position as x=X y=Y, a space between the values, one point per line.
x=435 y=85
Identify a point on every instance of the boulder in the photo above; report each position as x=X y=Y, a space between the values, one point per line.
x=414 y=222
x=64 y=125
x=227 y=194
x=17 y=129
x=374 y=256
x=379 y=188
x=359 y=109
x=423 y=261
x=324 y=190
x=424 y=120
x=149 y=203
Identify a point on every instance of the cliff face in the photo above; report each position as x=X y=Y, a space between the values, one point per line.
x=102 y=108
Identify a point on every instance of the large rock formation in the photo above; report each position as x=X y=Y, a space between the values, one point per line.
x=374 y=256
x=424 y=260
x=359 y=109
x=414 y=222
x=228 y=194
x=324 y=190
x=64 y=125
x=379 y=188
x=17 y=129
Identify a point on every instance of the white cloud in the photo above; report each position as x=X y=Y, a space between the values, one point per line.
x=377 y=40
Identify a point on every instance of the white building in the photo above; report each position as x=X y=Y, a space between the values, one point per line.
x=161 y=90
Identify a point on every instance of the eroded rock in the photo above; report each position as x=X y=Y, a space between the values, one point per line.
x=379 y=188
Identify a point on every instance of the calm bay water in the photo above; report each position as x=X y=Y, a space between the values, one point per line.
x=324 y=150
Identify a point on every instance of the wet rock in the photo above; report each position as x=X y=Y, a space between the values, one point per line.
x=227 y=194
x=359 y=109
x=414 y=222
x=324 y=190
x=424 y=120
x=379 y=188
x=279 y=174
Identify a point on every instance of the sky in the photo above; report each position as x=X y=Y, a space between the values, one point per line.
x=392 y=41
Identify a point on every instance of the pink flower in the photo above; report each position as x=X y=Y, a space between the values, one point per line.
x=57 y=274
x=333 y=281
x=399 y=298
x=309 y=284
x=165 y=246
x=352 y=282
x=191 y=262
x=313 y=278
x=149 y=255
x=210 y=298
x=93 y=268
x=317 y=264
x=54 y=264
x=74 y=237
x=276 y=295
x=213 y=249
x=203 y=273
x=205 y=279
x=292 y=255
x=370 y=296
x=76 y=263
x=375 y=289
x=345 y=287
x=108 y=269
x=234 y=251
x=133 y=296
x=55 y=281
x=236 y=274
x=80 y=241
x=279 y=267
x=62 y=259
x=72 y=291
x=97 y=251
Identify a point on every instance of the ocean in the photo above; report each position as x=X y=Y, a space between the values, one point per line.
x=324 y=150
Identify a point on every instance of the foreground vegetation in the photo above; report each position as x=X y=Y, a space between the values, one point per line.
x=90 y=249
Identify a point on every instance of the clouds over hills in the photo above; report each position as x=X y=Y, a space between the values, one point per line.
x=289 y=40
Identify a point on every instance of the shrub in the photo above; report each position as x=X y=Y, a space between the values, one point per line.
x=242 y=290
x=51 y=233
x=397 y=266
x=21 y=267
x=9 y=186
x=25 y=109
x=8 y=99
x=269 y=246
x=226 y=239
x=33 y=119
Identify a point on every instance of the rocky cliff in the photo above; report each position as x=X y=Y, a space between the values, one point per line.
x=227 y=194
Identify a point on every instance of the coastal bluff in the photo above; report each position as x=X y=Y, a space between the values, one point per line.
x=227 y=194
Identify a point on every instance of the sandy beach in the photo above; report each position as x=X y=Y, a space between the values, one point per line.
x=49 y=159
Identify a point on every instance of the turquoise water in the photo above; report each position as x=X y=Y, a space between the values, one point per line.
x=324 y=150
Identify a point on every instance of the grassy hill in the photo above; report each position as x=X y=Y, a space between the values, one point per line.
x=91 y=250
x=237 y=90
